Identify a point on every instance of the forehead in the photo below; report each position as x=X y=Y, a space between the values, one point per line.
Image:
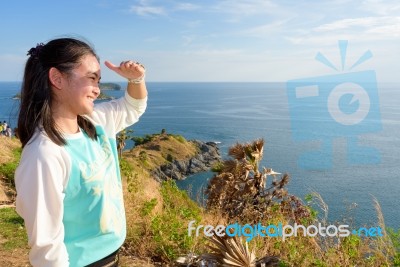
x=89 y=64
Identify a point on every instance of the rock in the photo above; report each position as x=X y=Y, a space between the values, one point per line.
x=179 y=169
x=196 y=166
x=109 y=86
x=3 y=195
x=182 y=166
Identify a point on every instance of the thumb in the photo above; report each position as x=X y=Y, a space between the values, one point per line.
x=111 y=66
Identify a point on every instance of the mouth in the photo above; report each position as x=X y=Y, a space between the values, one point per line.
x=91 y=99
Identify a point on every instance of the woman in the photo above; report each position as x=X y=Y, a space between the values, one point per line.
x=68 y=182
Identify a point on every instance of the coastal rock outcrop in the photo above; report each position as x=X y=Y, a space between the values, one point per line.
x=207 y=156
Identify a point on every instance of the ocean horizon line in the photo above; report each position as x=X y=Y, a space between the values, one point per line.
x=253 y=82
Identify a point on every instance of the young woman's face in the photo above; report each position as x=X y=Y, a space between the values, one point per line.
x=83 y=86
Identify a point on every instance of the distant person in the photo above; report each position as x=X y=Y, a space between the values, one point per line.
x=4 y=128
x=9 y=132
x=68 y=181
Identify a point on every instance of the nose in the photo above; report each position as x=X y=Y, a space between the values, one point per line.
x=96 y=91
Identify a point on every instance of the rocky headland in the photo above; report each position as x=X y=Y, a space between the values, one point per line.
x=170 y=156
x=208 y=155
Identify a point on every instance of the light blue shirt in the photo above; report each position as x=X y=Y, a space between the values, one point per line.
x=94 y=217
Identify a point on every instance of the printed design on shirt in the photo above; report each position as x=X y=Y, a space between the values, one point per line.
x=102 y=176
x=97 y=190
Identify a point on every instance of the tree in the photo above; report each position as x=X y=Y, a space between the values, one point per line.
x=121 y=140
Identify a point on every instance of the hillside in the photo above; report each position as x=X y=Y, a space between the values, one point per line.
x=158 y=213
x=8 y=150
x=7 y=145
x=168 y=156
x=145 y=200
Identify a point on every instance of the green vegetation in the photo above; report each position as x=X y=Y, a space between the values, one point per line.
x=158 y=213
x=122 y=137
x=172 y=238
x=109 y=86
x=7 y=169
x=103 y=96
x=239 y=180
x=9 y=159
x=155 y=150
x=395 y=238
x=13 y=234
x=150 y=137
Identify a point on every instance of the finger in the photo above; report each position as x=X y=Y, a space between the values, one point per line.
x=125 y=65
x=111 y=66
x=139 y=67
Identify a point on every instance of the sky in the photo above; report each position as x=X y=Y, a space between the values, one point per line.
x=215 y=41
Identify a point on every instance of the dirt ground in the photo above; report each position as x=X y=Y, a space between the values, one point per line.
x=7 y=145
x=15 y=258
x=19 y=258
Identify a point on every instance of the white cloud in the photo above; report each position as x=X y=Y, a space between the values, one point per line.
x=187 y=6
x=214 y=53
x=263 y=30
x=381 y=7
x=145 y=9
x=248 y=65
x=246 y=7
x=390 y=31
x=366 y=22
x=368 y=29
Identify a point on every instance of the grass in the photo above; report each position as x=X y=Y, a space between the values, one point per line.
x=13 y=234
x=172 y=238
x=9 y=159
x=158 y=215
x=158 y=150
x=8 y=149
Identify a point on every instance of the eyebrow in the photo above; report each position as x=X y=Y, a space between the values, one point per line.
x=95 y=74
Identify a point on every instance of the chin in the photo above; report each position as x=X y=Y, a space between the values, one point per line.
x=87 y=111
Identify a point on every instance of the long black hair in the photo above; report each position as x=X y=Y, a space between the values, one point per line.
x=64 y=54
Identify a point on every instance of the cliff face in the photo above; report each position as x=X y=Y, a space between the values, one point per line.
x=168 y=156
x=208 y=155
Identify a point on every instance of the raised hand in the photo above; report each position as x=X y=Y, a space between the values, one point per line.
x=128 y=69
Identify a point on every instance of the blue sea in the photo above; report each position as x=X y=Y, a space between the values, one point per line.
x=242 y=112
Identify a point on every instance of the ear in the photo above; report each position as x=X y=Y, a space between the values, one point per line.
x=55 y=77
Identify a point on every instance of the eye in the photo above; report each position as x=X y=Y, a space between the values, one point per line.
x=94 y=79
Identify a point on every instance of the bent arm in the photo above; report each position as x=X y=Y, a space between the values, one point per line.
x=116 y=115
x=137 y=90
